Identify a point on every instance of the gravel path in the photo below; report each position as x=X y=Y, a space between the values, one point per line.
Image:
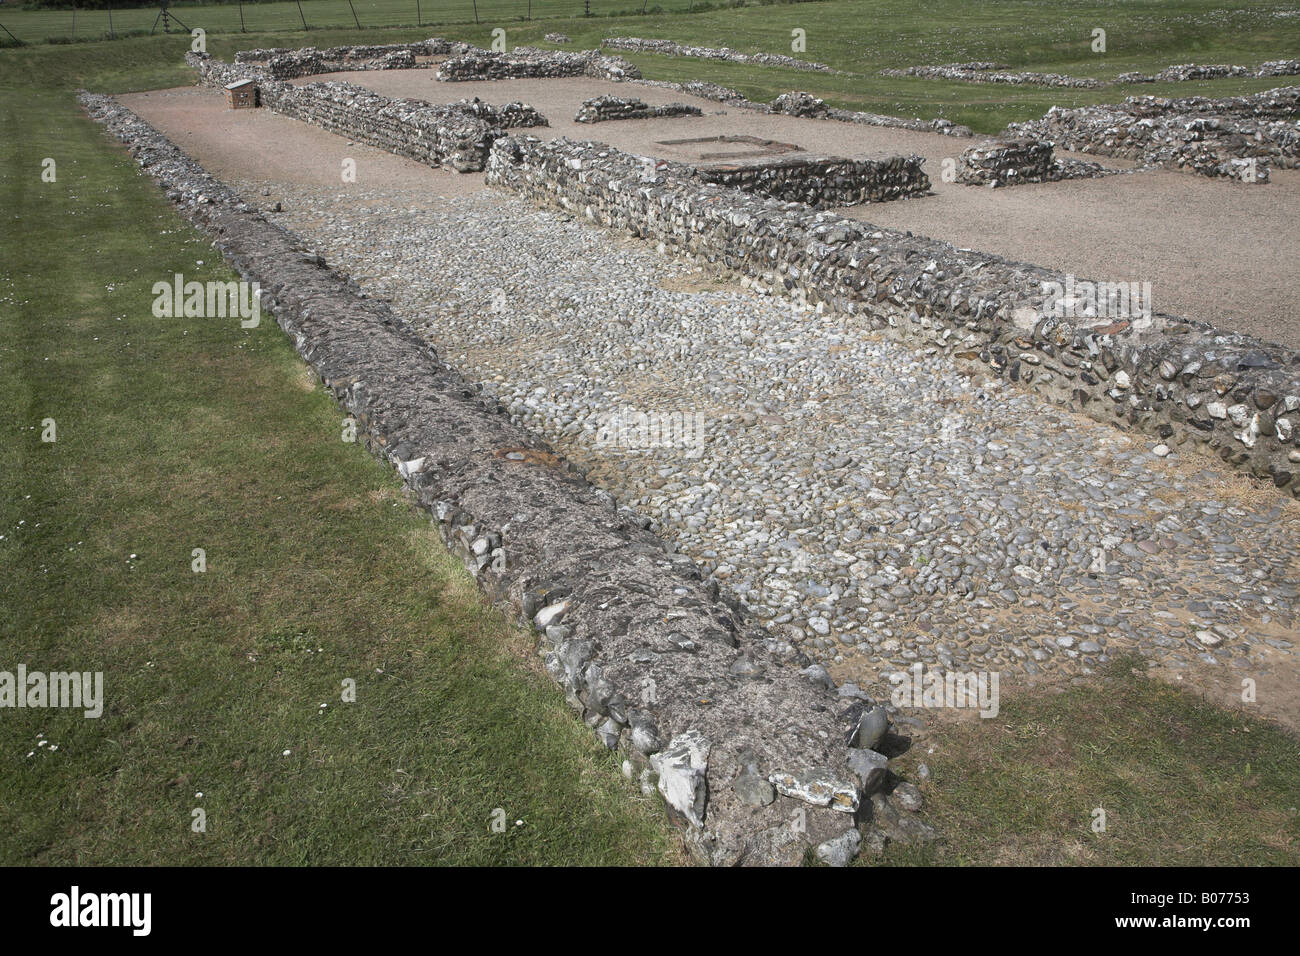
x=872 y=502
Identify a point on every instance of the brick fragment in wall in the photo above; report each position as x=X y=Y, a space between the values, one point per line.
x=1113 y=357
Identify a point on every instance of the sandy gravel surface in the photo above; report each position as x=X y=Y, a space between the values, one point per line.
x=1221 y=252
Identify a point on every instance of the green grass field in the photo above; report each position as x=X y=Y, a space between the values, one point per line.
x=175 y=435
x=39 y=26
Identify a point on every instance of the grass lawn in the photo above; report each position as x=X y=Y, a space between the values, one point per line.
x=181 y=434
x=1182 y=782
x=59 y=25
x=174 y=435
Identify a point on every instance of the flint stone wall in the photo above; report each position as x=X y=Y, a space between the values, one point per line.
x=739 y=733
x=669 y=48
x=1017 y=161
x=472 y=63
x=1191 y=71
x=798 y=103
x=1211 y=137
x=603 y=109
x=1178 y=380
x=283 y=63
x=434 y=46
x=990 y=73
x=533 y=63
x=456 y=135
x=987 y=72
x=822 y=181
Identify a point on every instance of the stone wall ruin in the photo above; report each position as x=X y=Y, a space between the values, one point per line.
x=670 y=48
x=741 y=733
x=1011 y=162
x=822 y=181
x=533 y=63
x=1179 y=380
x=603 y=109
x=455 y=135
x=1237 y=137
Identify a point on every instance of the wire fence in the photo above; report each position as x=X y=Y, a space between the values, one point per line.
x=72 y=25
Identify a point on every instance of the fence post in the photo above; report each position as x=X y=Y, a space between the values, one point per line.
x=476 y=11
x=241 y=17
x=300 y=13
x=354 y=14
x=111 y=34
x=417 y=13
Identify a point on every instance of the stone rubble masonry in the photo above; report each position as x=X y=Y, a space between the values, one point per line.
x=990 y=73
x=669 y=48
x=798 y=103
x=731 y=724
x=530 y=62
x=1011 y=162
x=987 y=72
x=1239 y=136
x=822 y=181
x=287 y=64
x=455 y=135
x=1191 y=71
x=472 y=63
x=1179 y=380
x=602 y=109
x=557 y=38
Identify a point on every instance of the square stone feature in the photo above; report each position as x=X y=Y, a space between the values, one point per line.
x=712 y=149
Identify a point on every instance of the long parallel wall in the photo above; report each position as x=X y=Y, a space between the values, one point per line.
x=1179 y=380
x=732 y=726
x=456 y=135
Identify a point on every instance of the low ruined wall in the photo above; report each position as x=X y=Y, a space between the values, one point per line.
x=1191 y=71
x=603 y=109
x=455 y=135
x=1006 y=163
x=532 y=63
x=990 y=73
x=1237 y=137
x=797 y=103
x=823 y=181
x=987 y=72
x=735 y=729
x=1180 y=381
x=1013 y=162
x=283 y=63
x=669 y=48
